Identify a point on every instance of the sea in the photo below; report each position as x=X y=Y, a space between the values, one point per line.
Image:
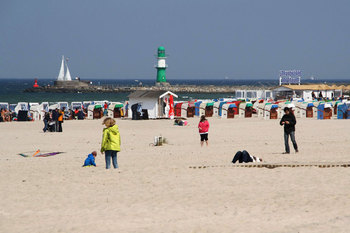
x=12 y=90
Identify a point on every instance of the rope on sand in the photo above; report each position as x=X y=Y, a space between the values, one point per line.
x=276 y=165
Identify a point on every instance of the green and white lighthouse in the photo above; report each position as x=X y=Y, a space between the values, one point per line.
x=161 y=66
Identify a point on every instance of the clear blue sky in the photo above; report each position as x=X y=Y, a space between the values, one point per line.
x=204 y=39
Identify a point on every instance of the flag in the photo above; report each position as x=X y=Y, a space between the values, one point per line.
x=171 y=105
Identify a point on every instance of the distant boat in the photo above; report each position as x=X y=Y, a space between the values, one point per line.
x=64 y=76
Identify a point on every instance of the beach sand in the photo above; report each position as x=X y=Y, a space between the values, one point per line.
x=155 y=190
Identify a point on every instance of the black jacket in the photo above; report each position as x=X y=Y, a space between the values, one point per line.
x=288 y=128
x=54 y=115
x=47 y=117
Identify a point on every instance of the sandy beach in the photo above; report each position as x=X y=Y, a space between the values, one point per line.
x=155 y=190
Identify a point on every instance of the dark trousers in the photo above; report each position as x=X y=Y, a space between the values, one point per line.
x=242 y=157
x=59 y=126
x=292 y=137
x=55 y=128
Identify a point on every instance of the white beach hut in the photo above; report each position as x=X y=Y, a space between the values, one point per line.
x=216 y=109
x=187 y=109
x=35 y=112
x=315 y=109
x=184 y=107
x=116 y=110
x=281 y=106
x=245 y=110
x=31 y=104
x=95 y=111
x=38 y=111
x=305 y=109
x=154 y=104
x=76 y=105
x=202 y=108
x=4 y=105
x=21 y=106
x=270 y=111
x=86 y=104
x=62 y=105
x=261 y=110
x=12 y=107
x=228 y=111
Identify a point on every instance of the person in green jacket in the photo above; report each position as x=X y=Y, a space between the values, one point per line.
x=110 y=142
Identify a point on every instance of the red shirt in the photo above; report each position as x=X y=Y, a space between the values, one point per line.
x=203 y=127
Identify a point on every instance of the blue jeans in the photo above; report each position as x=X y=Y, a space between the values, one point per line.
x=292 y=137
x=108 y=155
x=46 y=126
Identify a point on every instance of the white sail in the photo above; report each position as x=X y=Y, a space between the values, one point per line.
x=67 y=77
x=60 y=76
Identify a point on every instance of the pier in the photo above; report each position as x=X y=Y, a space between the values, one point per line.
x=116 y=89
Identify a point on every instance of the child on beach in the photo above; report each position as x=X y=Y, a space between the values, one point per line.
x=203 y=127
x=90 y=160
x=110 y=142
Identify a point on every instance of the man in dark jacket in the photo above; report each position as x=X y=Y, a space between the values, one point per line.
x=55 y=119
x=289 y=122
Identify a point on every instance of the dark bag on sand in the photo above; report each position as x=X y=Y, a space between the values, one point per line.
x=242 y=157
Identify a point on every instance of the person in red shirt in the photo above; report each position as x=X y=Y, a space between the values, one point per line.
x=203 y=127
x=105 y=112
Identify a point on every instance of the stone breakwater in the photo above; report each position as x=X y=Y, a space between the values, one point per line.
x=175 y=88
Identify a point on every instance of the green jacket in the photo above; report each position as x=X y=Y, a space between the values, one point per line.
x=111 y=139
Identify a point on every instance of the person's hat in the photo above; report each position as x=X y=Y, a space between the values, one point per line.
x=286 y=109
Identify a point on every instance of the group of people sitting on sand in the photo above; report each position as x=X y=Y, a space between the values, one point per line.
x=5 y=115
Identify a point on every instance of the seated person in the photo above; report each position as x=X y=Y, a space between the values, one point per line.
x=90 y=160
x=80 y=115
x=51 y=126
x=245 y=157
x=180 y=122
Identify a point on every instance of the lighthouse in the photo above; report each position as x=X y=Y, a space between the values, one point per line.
x=161 y=66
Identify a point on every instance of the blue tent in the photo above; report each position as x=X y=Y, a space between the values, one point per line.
x=343 y=111
x=220 y=107
x=196 y=105
x=320 y=109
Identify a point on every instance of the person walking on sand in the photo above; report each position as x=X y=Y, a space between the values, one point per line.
x=110 y=142
x=203 y=127
x=289 y=122
x=46 y=121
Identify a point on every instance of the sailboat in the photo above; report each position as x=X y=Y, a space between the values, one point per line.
x=62 y=76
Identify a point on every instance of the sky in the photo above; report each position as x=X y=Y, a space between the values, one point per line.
x=236 y=39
